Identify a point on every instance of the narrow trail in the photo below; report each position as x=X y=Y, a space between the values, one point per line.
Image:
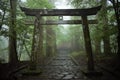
x=60 y=68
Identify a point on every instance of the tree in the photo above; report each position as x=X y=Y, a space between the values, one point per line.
x=84 y=3
x=13 y=58
x=116 y=6
x=96 y=39
x=76 y=36
x=39 y=4
x=50 y=41
x=3 y=8
x=37 y=54
x=103 y=21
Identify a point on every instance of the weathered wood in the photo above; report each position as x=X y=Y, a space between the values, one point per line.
x=53 y=22
x=39 y=42
x=88 y=43
x=61 y=12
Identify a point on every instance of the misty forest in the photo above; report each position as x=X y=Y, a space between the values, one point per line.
x=59 y=40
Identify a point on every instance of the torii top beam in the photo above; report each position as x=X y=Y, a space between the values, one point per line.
x=61 y=12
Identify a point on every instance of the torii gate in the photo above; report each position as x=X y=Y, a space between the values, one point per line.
x=70 y=12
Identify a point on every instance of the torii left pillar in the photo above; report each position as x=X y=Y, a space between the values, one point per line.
x=37 y=44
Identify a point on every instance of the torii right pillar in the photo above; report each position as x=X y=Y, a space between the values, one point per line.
x=90 y=61
x=88 y=43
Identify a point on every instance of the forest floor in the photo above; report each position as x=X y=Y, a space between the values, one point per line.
x=63 y=67
x=60 y=67
x=7 y=69
x=109 y=63
x=109 y=66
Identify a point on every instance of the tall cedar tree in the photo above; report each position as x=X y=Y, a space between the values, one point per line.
x=13 y=58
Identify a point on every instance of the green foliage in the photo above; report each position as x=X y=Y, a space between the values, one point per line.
x=3 y=4
x=3 y=12
x=25 y=32
x=39 y=4
x=106 y=19
x=62 y=34
x=84 y=3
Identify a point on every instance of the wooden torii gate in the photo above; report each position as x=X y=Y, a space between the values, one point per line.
x=70 y=12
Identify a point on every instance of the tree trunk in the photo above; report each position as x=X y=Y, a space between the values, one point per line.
x=13 y=58
x=106 y=37
x=75 y=41
x=97 y=47
x=72 y=43
x=77 y=44
x=50 y=41
x=117 y=13
x=54 y=42
x=107 y=49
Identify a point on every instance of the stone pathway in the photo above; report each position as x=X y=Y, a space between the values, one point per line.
x=60 y=68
